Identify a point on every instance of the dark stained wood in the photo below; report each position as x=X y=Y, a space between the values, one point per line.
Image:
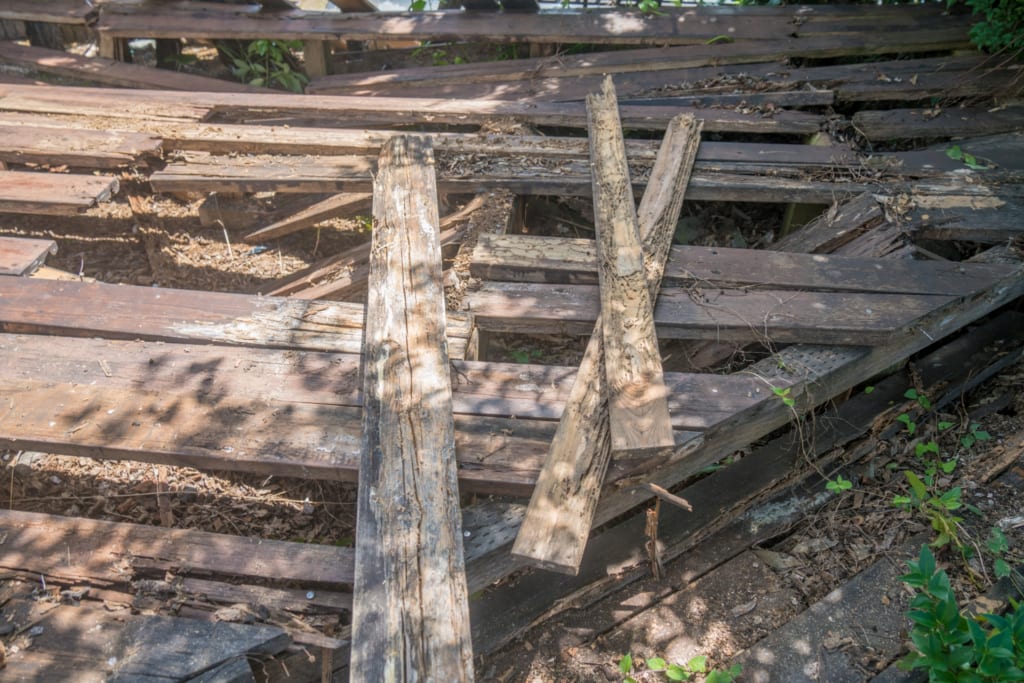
x=996 y=223
x=87 y=148
x=557 y=522
x=58 y=194
x=842 y=223
x=157 y=314
x=713 y=313
x=557 y=260
x=338 y=205
x=111 y=72
x=954 y=122
x=410 y=616
x=637 y=406
x=23 y=255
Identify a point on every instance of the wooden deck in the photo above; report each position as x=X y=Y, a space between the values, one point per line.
x=294 y=382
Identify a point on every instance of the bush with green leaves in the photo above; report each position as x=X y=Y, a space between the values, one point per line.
x=680 y=672
x=952 y=647
x=1001 y=26
x=267 y=63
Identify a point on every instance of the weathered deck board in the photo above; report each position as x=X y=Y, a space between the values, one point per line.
x=52 y=12
x=23 y=255
x=557 y=522
x=98 y=549
x=112 y=73
x=713 y=313
x=558 y=260
x=126 y=312
x=59 y=194
x=955 y=122
x=86 y=148
x=637 y=407
x=410 y=615
x=163 y=105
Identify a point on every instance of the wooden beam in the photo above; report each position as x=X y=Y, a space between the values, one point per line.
x=52 y=12
x=57 y=194
x=562 y=260
x=23 y=255
x=765 y=316
x=85 y=148
x=111 y=72
x=938 y=123
x=332 y=207
x=557 y=524
x=157 y=314
x=637 y=408
x=411 y=610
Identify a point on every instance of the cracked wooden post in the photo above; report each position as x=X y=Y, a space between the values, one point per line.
x=410 y=615
x=561 y=511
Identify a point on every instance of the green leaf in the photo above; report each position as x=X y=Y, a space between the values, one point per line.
x=698 y=664
x=955 y=153
x=656 y=663
x=943 y=425
x=910 y=393
x=674 y=672
x=982 y=435
x=922 y=448
x=839 y=484
x=1001 y=568
x=868 y=390
x=996 y=542
x=626 y=663
x=900 y=501
x=916 y=485
x=948 y=466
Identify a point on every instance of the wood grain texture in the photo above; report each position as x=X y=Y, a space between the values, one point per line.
x=23 y=255
x=125 y=312
x=560 y=260
x=85 y=148
x=637 y=405
x=338 y=205
x=57 y=194
x=558 y=520
x=410 y=612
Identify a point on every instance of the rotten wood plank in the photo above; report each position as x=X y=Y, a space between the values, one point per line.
x=558 y=520
x=637 y=406
x=126 y=312
x=371 y=110
x=768 y=316
x=559 y=260
x=52 y=12
x=111 y=72
x=86 y=148
x=410 y=615
x=56 y=194
x=935 y=123
x=24 y=255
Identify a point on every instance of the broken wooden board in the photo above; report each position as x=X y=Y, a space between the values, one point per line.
x=112 y=73
x=84 y=148
x=24 y=255
x=338 y=205
x=91 y=643
x=995 y=223
x=175 y=315
x=770 y=316
x=559 y=260
x=637 y=407
x=362 y=111
x=56 y=194
x=51 y=12
x=557 y=522
x=936 y=123
x=410 y=615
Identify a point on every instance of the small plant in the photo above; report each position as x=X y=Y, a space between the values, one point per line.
x=997 y=545
x=953 y=647
x=922 y=400
x=680 y=672
x=908 y=422
x=937 y=508
x=838 y=485
x=788 y=400
x=266 y=63
x=970 y=161
x=974 y=434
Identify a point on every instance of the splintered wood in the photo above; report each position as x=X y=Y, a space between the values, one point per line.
x=637 y=404
x=561 y=511
x=410 y=616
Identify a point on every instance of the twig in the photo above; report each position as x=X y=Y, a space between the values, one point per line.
x=669 y=497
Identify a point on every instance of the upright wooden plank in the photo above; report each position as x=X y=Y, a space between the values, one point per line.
x=411 y=608
x=23 y=255
x=637 y=405
x=561 y=512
